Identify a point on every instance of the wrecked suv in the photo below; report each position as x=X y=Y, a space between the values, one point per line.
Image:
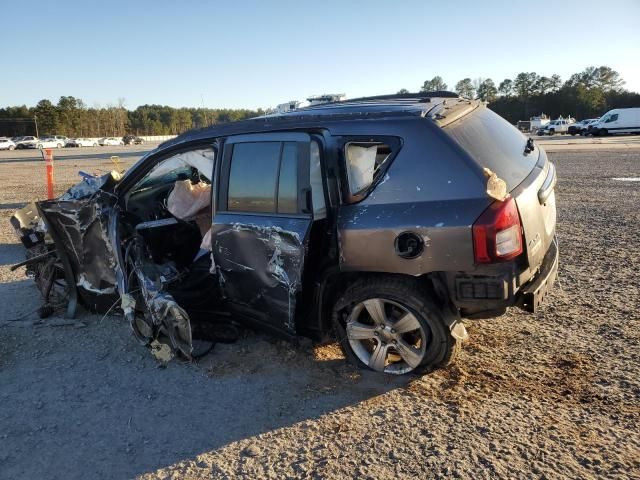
x=381 y=221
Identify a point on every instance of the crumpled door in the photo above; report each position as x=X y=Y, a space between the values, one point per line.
x=261 y=225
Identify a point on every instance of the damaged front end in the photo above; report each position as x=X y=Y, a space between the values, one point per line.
x=67 y=248
x=74 y=254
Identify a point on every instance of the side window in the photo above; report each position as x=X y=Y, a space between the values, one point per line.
x=364 y=161
x=288 y=182
x=252 y=178
x=263 y=177
x=192 y=164
x=315 y=180
x=612 y=118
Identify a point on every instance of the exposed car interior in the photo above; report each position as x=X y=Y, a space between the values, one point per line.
x=165 y=233
x=171 y=206
x=166 y=228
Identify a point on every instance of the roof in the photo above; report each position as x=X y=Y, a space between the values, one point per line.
x=384 y=106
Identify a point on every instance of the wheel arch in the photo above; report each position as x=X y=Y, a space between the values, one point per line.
x=334 y=282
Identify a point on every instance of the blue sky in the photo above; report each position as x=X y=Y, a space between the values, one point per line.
x=251 y=54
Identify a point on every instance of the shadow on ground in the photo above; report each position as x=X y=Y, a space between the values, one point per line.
x=111 y=412
x=87 y=401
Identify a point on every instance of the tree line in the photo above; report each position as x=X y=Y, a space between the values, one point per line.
x=71 y=117
x=586 y=94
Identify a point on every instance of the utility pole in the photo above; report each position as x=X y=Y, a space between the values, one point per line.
x=35 y=119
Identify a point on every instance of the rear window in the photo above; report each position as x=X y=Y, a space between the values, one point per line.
x=494 y=143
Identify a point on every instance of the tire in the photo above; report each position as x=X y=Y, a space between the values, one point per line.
x=552 y=132
x=59 y=145
x=11 y=147
x=603 y=132
x=432 y=344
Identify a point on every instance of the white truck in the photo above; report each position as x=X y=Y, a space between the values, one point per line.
x=561 y=125
x=618 y=120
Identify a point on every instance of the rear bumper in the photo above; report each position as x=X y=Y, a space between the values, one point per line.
x=532 y=294
x=487 y=296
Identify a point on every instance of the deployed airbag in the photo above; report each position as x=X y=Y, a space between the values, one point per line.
x=202 y=160
x=361 y=162
x=187 y=199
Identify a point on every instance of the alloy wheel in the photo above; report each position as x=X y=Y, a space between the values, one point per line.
x=386 y=336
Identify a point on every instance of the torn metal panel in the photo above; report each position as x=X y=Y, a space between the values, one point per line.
x=261 y=263
x=163 y=320
x=72 y=232
x=81 y=230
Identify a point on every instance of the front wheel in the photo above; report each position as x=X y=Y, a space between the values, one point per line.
x=392 y=326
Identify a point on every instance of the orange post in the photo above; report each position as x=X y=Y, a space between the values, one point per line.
x=48 y=163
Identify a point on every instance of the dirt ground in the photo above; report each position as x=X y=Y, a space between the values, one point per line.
x=551 y=395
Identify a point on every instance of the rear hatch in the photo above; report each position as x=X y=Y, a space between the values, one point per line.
x=494 y=143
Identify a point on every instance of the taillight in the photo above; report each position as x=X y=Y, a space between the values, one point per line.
x=497 y=233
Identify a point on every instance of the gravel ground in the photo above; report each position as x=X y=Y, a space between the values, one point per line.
x=551 y=395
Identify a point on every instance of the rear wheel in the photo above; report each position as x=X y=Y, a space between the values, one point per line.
x=11 y=147
x=392 y=326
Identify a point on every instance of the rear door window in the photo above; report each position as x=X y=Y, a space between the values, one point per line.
x=263 y=178
x=252 y=179
x=288 y=181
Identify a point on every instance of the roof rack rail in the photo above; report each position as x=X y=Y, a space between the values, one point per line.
x=421 y=96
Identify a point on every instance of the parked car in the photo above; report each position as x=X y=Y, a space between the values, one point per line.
x=49 y=142
x=132 y=140
x=27 y=142
x=110 y=141
x=81 y=142
x=61 y=139
x=6 y=144
x=579 y=127
x=619 y=120
x=385 y=220
x=556 y=126
x=587 y=130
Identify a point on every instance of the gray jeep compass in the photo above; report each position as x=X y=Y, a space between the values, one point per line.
x=381 y=221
